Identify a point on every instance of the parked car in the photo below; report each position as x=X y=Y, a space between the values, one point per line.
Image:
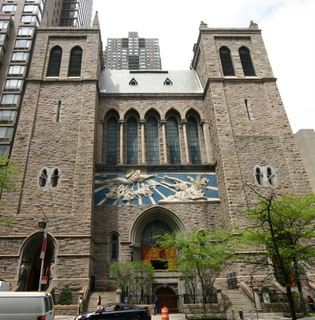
x=118 y=311
x=26 y=306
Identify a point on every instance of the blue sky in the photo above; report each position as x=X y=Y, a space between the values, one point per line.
x=288 y=29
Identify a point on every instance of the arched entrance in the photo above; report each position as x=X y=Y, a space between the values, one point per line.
x=149 y=248
x=167 y=298
x=30 y=265
x=153 y=222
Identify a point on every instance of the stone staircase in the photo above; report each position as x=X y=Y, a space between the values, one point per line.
x=106 y=297
x=236 y=300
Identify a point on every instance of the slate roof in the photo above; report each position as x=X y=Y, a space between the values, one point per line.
x=150 y=82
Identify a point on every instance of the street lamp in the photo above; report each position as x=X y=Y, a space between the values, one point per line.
x=43 y=251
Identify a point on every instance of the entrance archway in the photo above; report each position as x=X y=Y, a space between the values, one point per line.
x=155 y=221
x=31 y=263
x=167 y=298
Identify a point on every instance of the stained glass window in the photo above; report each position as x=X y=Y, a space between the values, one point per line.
x=153 y=229
x=153 y=141
x=132 y=141
x=111 y=141
x=173 y=141
x=194 y=147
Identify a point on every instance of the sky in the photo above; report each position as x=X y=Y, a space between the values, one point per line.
x=288 y=30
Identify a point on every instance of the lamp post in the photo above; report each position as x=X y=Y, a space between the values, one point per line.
x=43 y=251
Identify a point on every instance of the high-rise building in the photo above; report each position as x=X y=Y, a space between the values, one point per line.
x=76 y=13
x=18 y=22
x=132 y=53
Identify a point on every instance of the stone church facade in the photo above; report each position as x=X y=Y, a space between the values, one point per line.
x=113 y=158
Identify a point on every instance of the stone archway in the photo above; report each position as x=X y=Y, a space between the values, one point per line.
x=30 y=262
x=157 y=220
x=167 y=298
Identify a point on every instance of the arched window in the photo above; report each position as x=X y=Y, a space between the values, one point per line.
x=258 y=176
x=194 y=147
x=55 y=178
x=75 y=62
x=114 y=247
x=246 y=61
x=54 y=62
x=43 y=177
x=153 y=156
x=226 y=61
x=132 y=141
x=270 y=176
x=173 y=141
x=111 y=141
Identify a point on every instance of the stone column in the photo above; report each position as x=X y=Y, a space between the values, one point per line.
x=163 y=124
x=184 y=123
x=142 y=123
x=206 y=136
x=121 y=141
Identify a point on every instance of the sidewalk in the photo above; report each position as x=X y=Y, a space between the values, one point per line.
x=172 y=316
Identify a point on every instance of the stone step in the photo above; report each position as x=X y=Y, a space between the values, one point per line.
x=106 y=297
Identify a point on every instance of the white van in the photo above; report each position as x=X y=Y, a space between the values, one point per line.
x=26 y=306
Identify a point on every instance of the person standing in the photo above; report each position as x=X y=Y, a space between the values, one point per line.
x=99 y=301
x=311 y=303
x=156 y=306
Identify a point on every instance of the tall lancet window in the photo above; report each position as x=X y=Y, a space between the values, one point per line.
x=75 y=62
x=246 y=61
x=173 y=141
x=194 y=147
x=132 y=141
x=111 y=141
x=153 y=156
x=226 y=61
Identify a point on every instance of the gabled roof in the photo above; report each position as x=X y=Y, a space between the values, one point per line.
x=150 y=82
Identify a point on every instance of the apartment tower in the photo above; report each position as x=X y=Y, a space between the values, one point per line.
x=18 y=23
x=132 y=53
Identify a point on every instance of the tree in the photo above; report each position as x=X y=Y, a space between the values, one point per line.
x=200 y=257
x=285 y=227
x=133 y=278
x=7 y=171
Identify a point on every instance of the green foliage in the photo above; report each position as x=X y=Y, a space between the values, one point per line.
x=201 y=256
x=65 y=296
x=285 y=228
x=7 y=184
x=135 y=277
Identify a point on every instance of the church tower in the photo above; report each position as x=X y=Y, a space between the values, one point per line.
x=252 y=141
x=54 y=148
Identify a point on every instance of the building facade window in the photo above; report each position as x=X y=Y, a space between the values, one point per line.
x=7 y=116
x=43 y=178
x=75 y=62
x=265 y=176
x=19 y=57
x=132 y=141
x=153 y=153
x=54 y=179
x=226 y=61
x=194 y=147
x=111 y=141
x=173 y=141
x=10 y=99
x=22 y=44
x=114 y=247
x=54 y=62
x=246 y=61
x=26 y=31
x=13 y=84
x=49 y=177
x=6 y=133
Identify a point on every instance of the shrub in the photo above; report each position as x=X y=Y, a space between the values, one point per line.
x=65 y=296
